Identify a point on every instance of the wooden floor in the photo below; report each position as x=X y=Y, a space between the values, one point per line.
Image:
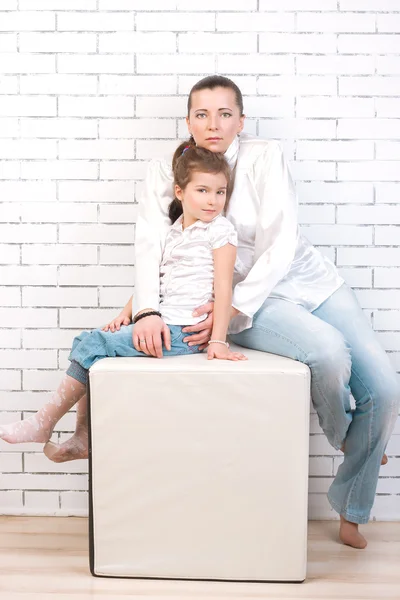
x=46 y=558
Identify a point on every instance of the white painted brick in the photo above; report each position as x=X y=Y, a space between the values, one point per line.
x=46 y=254
x=39 y=463
x=8 y=42
x=369 y=5
x=387 y=107
x=378 y=298
x=386 y=508
x=385 y=193
x=28 y=359
x=335 y=22
x=10 y=338
x=294 y=5
x=98 y=149
x=96 y=275
x=59 y=169
x=9 y=254
x=34 y=106
x=206 y=43
x=96 y=234
x=175 y=22
x=94 y=21
x=27 y=63
x=370 y=215
x=9 y=170
x=43 y=482
x=389 y=341
x=388 y=64
x=316 y=214
x=114 y=106
x=10 y=380
x=164 y=106
x=297 y=85
x=58 y=84
x=386 y=319
x=58 y=128
x=255 y=21
x=297 y=43
x=329 y=235
x=368 y=44
x=255 y=63
x=387 y=278
x=10 y=296
x=388 y=150
x=74 y=501
x=9 y=4
x=270 y=107
x=369 y=86
x=137 y=84
x=372 y=129
x=137 y=128
x=34 y=275
x=57 y=4
x=369 y=171
x=137 y=42
x=27 y=21
x=28 y=233
x=174 y=63
x=95 y=191
x=297 y=129
x=370 y=257
x=10 y=462
x=319 y=485
x=95 y=63
x=320 y=509
x=335 y=107
x=22 y=191
x=47 y=502
x=57 y=42
x=11 y=500
x=115 y=296
x=116 y=255
x=393 y=447
x=41 y=380
x=219 y=5
x=137 y=5
x=86 y=319
x=331 y=64
x=146 y=150
x=123 y=170
x=49 y=338
x=28 y=149
x=8 y=84
x=58 y=296
x=388 y=236
x=118 y=213
x=320 y=466
x=357 y=277
x=335 y=150
x=307 y=170
x=10 y=213
x=246 y=83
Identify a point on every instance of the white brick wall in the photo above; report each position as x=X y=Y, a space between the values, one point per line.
x=91 y=89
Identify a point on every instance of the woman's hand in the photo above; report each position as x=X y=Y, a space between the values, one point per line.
x=202 y=331
x=222 y=352
x=115 y=324
x=148 y=335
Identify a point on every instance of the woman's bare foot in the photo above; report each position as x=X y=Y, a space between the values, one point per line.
x=350 y=535
x=383 y=461
x=73 y=449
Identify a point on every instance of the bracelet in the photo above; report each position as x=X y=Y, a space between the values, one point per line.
x=146 y=314
x=218 y=342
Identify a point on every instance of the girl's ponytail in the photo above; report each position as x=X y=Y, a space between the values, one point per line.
x=179 y=151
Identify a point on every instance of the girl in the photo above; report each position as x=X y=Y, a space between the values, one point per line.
x=197 y=262
x=288 y=299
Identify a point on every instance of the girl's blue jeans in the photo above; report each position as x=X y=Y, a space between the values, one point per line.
x=90 y=346
x=338 y=344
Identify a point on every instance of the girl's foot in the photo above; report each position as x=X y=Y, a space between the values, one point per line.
x=350 y=535
x=383 y=461
x=73 y=449
x=34 y=429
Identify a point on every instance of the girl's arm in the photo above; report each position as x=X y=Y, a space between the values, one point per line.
x=224 y=262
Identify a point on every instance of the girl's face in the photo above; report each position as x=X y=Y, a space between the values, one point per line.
x=203 y=198
x=214 y=119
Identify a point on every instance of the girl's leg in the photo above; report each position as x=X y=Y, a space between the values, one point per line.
x=39 y=427
x=77 y=446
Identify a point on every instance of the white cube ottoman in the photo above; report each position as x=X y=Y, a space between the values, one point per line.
x=199 y=469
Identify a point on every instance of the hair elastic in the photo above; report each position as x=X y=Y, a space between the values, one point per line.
x=184 y=150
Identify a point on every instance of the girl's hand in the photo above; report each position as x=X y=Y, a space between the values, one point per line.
x=116 y=323
x=148 y=334
x=202 y=330
x=222 y=352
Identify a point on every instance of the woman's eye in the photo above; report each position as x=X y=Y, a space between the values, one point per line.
x=200 y=115
x=226 y=114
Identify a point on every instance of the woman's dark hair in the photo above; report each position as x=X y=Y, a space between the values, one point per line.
x=189 y=159
x=213 y=81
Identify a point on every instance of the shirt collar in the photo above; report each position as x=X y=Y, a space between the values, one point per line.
x=232 y=153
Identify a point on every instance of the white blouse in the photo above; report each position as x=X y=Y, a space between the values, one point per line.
x=273 y=258
x=187 y=267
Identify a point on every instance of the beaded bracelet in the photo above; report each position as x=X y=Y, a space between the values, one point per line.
x=218 y=342
x=146 y=314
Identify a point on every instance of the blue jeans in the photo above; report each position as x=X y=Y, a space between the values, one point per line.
x=338 y=344
x=90 y=346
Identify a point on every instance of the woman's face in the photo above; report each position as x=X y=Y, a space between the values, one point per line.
x=214 y=118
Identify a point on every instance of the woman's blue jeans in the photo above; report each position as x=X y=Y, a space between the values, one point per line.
x=338 y=344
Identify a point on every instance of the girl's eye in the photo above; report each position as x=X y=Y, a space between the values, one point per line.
x=221 y=192
x=202 y=190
